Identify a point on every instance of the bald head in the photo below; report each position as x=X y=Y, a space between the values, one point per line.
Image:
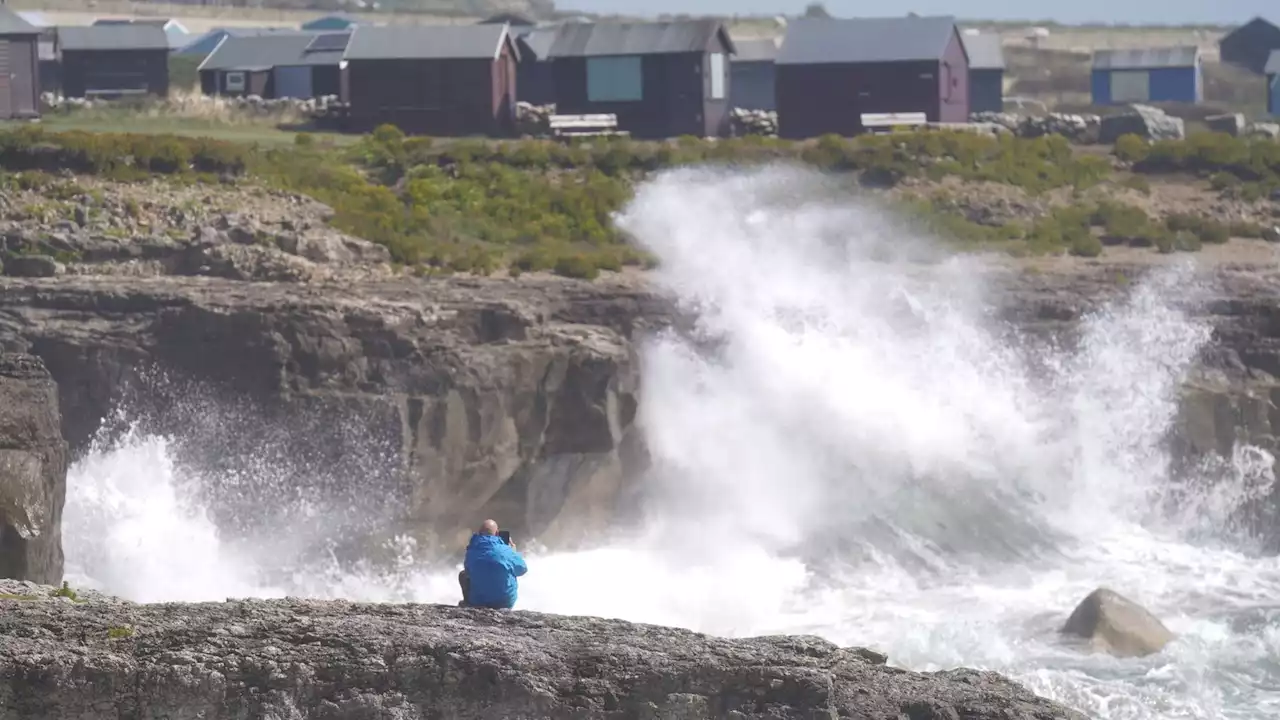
x=488 y=527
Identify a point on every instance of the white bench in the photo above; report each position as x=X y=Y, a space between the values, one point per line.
x=597 y=124
x=887 y=122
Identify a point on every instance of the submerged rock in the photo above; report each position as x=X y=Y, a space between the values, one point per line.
x=1117 y=625
x=33 y=471
x=339 y=660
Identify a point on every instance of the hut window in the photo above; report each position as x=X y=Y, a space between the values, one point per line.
x=717 y=76
x=614 y=79
x=235 y=82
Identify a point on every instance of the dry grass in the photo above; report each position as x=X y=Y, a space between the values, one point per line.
x=194 y=115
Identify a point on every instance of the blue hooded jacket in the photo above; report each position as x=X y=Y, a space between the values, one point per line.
x=493 y=567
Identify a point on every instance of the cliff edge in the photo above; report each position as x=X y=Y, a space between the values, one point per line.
x=63 y=658
x=33 y=471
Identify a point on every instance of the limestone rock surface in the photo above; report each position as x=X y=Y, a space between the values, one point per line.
x=271 y=660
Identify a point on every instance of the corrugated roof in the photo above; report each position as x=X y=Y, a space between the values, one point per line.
x=609 y=38
x=1273 y=63
x=425 y=42
x=756 y=50
x=985 y=51
x=537 y=41
x=11 y=23
x=256 y=52
x=817 y=41
x=1145 y=58
x=113 y=37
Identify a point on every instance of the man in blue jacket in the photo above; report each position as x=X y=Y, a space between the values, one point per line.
x=489 y=573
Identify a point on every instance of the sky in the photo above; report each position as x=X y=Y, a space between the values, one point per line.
x=1170 y=12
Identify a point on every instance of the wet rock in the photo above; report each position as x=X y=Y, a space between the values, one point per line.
x=33 y=471
x=345 y=661
x=1114 y=624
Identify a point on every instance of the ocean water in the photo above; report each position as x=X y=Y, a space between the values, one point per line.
x=848 y=445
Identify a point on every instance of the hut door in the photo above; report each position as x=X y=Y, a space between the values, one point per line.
x=22 y=87
x=293 y=82
x=1128 y=86
x=6 y=94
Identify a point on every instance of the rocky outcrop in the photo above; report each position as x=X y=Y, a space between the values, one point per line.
x=33 y=472
x=293 y=659
x=88 y=227
x=504 y=398
x=1145 y=121
x=1112 y=623
x=1074 y=127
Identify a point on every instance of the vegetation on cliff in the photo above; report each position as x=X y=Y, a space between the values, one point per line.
x=479 y=206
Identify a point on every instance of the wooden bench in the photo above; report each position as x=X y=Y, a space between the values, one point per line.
x=582 y=125
x=889 y=122
x=111 y=94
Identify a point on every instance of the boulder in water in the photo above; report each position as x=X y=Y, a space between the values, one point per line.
x=33 y=471
x=1117 y=625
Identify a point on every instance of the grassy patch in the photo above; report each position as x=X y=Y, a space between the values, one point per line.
x=66 y=591
x=12 y=596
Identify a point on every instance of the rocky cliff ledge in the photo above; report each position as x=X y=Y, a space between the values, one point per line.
x=509 y=397
x=499 y=397
x=279 y=659
x=33 y=471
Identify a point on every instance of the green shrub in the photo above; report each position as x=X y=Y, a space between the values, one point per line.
x=1130 y=148
x=1244 y=229
x=1222 y=181
x=577 y=266
x=1086 y=245
x=1139 y=183
x=1229 y=162
x=65 y=592
x=1186 y=241
x=1205 y=229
